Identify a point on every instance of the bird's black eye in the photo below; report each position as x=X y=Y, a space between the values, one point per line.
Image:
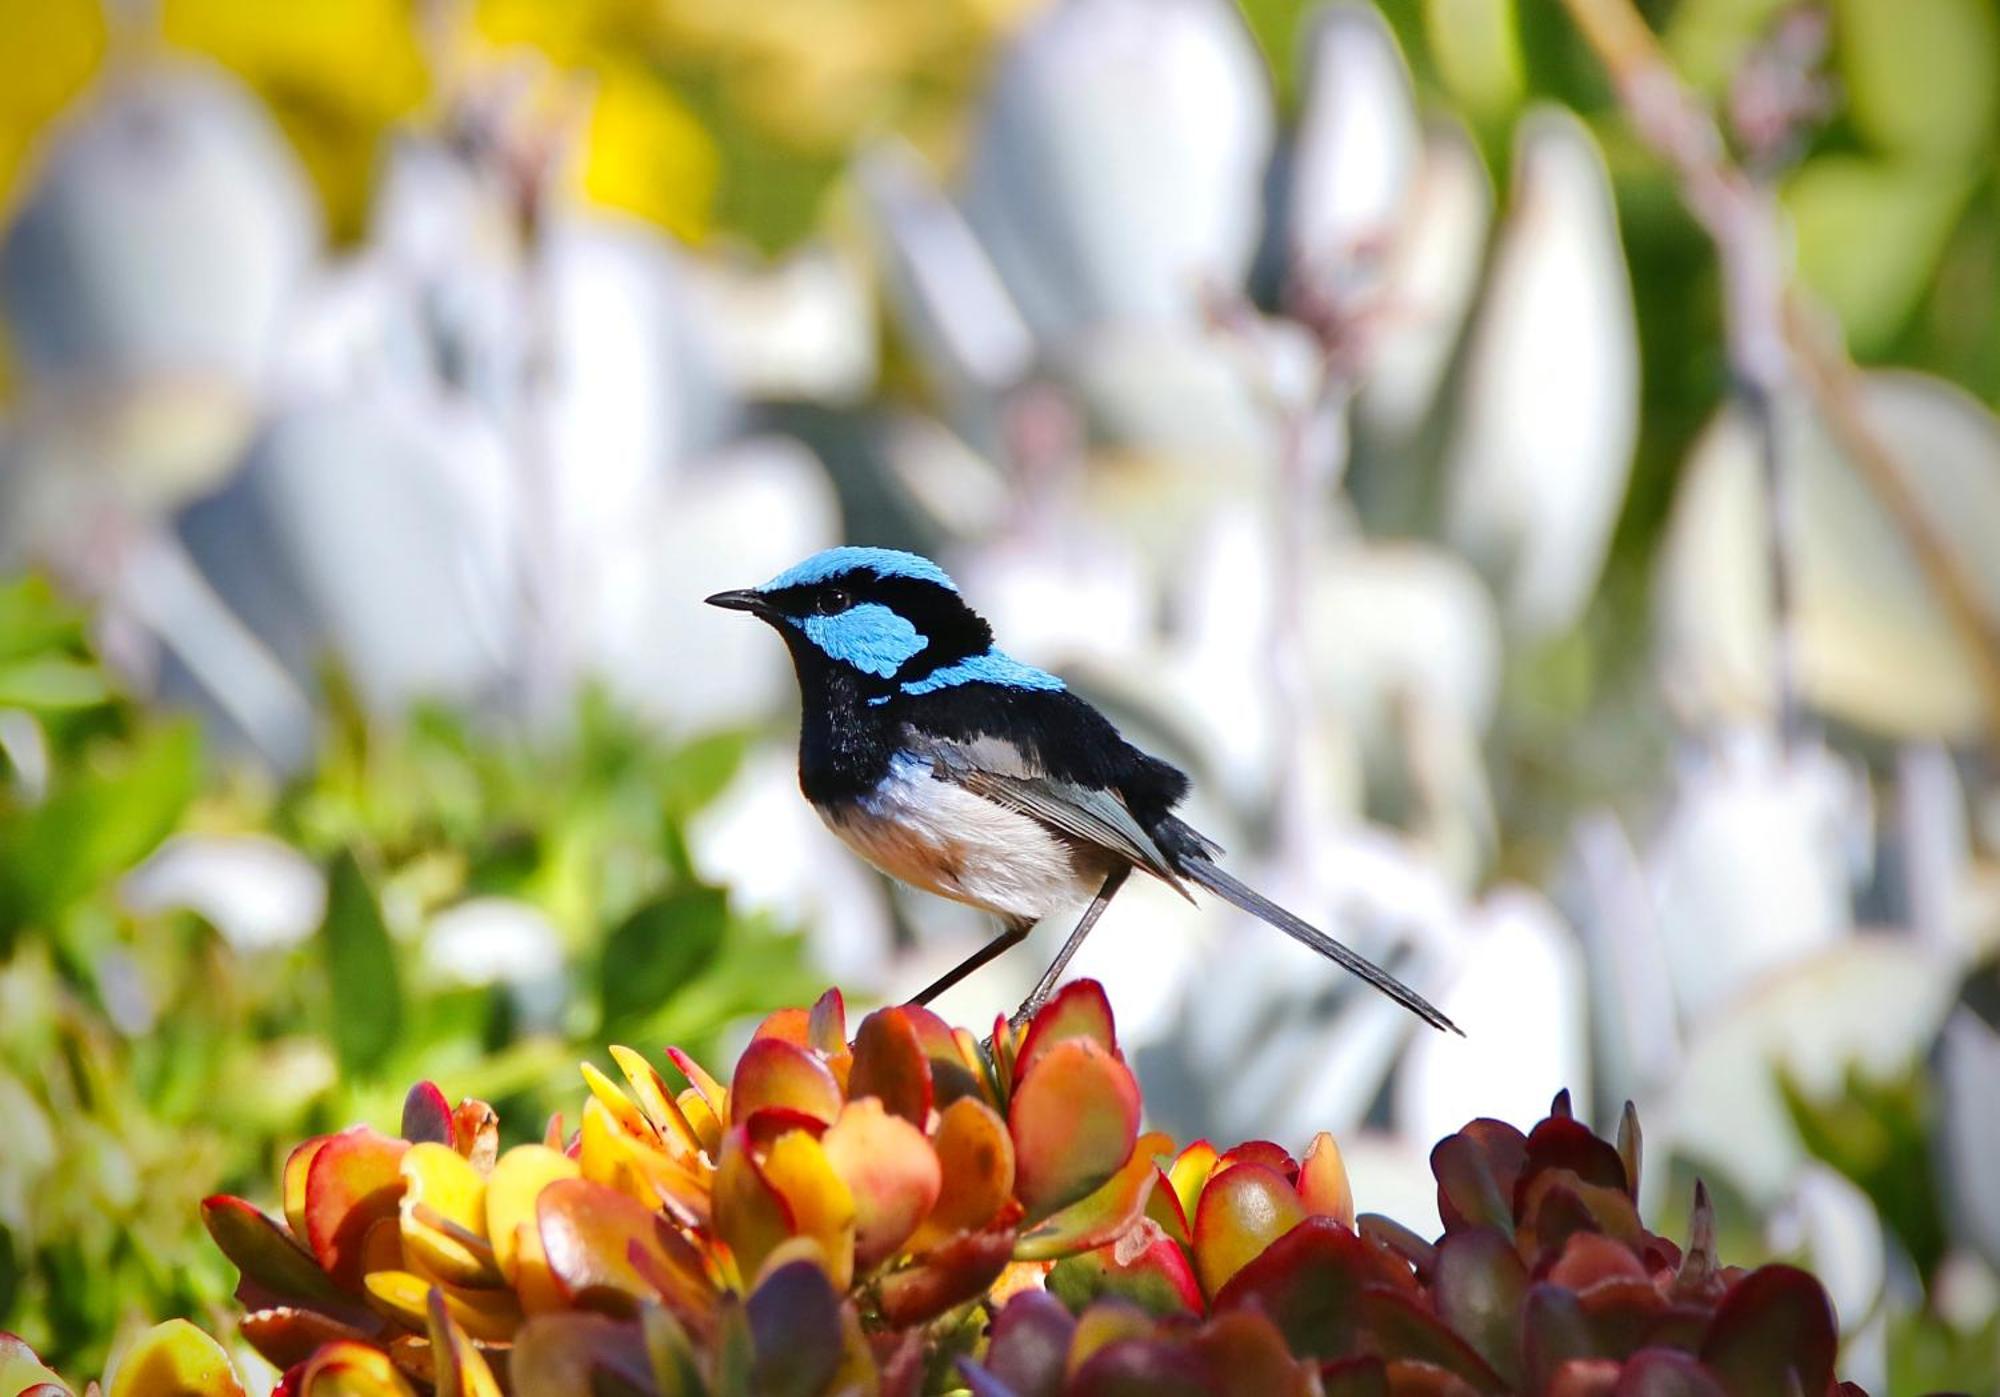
x=831 y=601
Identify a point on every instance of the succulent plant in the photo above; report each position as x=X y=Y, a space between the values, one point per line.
x=832 y=1192
x=912 y=1210
x=1545 y=1281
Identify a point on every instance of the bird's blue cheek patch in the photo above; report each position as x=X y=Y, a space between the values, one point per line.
x=870 y=637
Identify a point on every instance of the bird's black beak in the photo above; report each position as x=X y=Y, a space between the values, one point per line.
x=745 y=600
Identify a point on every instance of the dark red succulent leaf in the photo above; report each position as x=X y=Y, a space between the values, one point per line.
x=795 y=1331
x=1561 y=1142
x=1661 y=1372
x=890 y=1063
x=1399 y=1240
x=1265 y=1152
x=1364 y=1376
x=1553 y=1210
x=426 y=1115
x=1310 y=1282
x=1476 y=1171
x=1590 y=1257
x=960 y=1270
x=275 y=1270
x=1584 y=1377
x=1412 y=1377
x=1775 y=1326
x=1623 y=1314
x=1478 y=1286
x=1402 y=1327
x=287 y=1336
x=1029 y=1345
x=1554 y=1330
x=762 y=1127
x=1681 y=1326
x=1245 y=1356
x=1147 y=1367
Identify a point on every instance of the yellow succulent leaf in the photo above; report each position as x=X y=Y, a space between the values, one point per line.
x=641 y=1170
x=822 y=1205
x=488 y=1315
x=175 y=1359
x=517 y=1180
x=660 y=1107
x=706 y=1122
x=606 y=1094
x=443 y=1216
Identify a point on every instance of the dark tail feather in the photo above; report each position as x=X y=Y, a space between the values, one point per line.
x=1200 y=870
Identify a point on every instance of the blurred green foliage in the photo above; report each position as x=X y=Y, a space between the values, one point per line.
x=145 y=1062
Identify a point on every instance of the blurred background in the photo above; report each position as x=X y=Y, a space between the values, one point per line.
x=1470 y=486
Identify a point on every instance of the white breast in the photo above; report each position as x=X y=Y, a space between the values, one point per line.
x=942 y=838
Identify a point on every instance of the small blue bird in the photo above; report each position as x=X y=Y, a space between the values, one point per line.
x=954 y=767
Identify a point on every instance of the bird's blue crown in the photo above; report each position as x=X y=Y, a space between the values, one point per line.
x=830 y=563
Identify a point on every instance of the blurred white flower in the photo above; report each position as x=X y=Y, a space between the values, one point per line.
x=1549 y=412
x=1357 y=149
x=1115 y=171
x=258 y=892
x=1864 y=606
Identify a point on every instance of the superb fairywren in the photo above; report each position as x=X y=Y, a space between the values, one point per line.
x=960 y=770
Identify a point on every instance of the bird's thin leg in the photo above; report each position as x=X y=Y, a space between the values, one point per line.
x=1009 y=937
x=1047 y=984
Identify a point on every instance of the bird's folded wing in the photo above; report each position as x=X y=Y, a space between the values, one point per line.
x=1002 y=773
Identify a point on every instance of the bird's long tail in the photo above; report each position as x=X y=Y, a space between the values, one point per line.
x=1202 y=871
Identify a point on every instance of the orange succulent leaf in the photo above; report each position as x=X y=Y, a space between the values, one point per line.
x=1244 y=1209
x=649 y=1089
x=976 y=1161
x=1323 y=1184
x=826 y=1025
x=353 y=1182
x=351 y=1370
x=1078 y=1010
x=1073 y=1119
x=892 y=1171
x=1102 y=1215
x=891 y=1065
x=590 y=1234
x=776 y=1074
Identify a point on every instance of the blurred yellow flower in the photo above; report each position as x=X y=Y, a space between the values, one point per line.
x=645 y=153
x=335 y=73
x=48 y=51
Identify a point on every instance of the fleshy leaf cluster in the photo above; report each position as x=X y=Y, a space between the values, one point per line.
x=911 y=1209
